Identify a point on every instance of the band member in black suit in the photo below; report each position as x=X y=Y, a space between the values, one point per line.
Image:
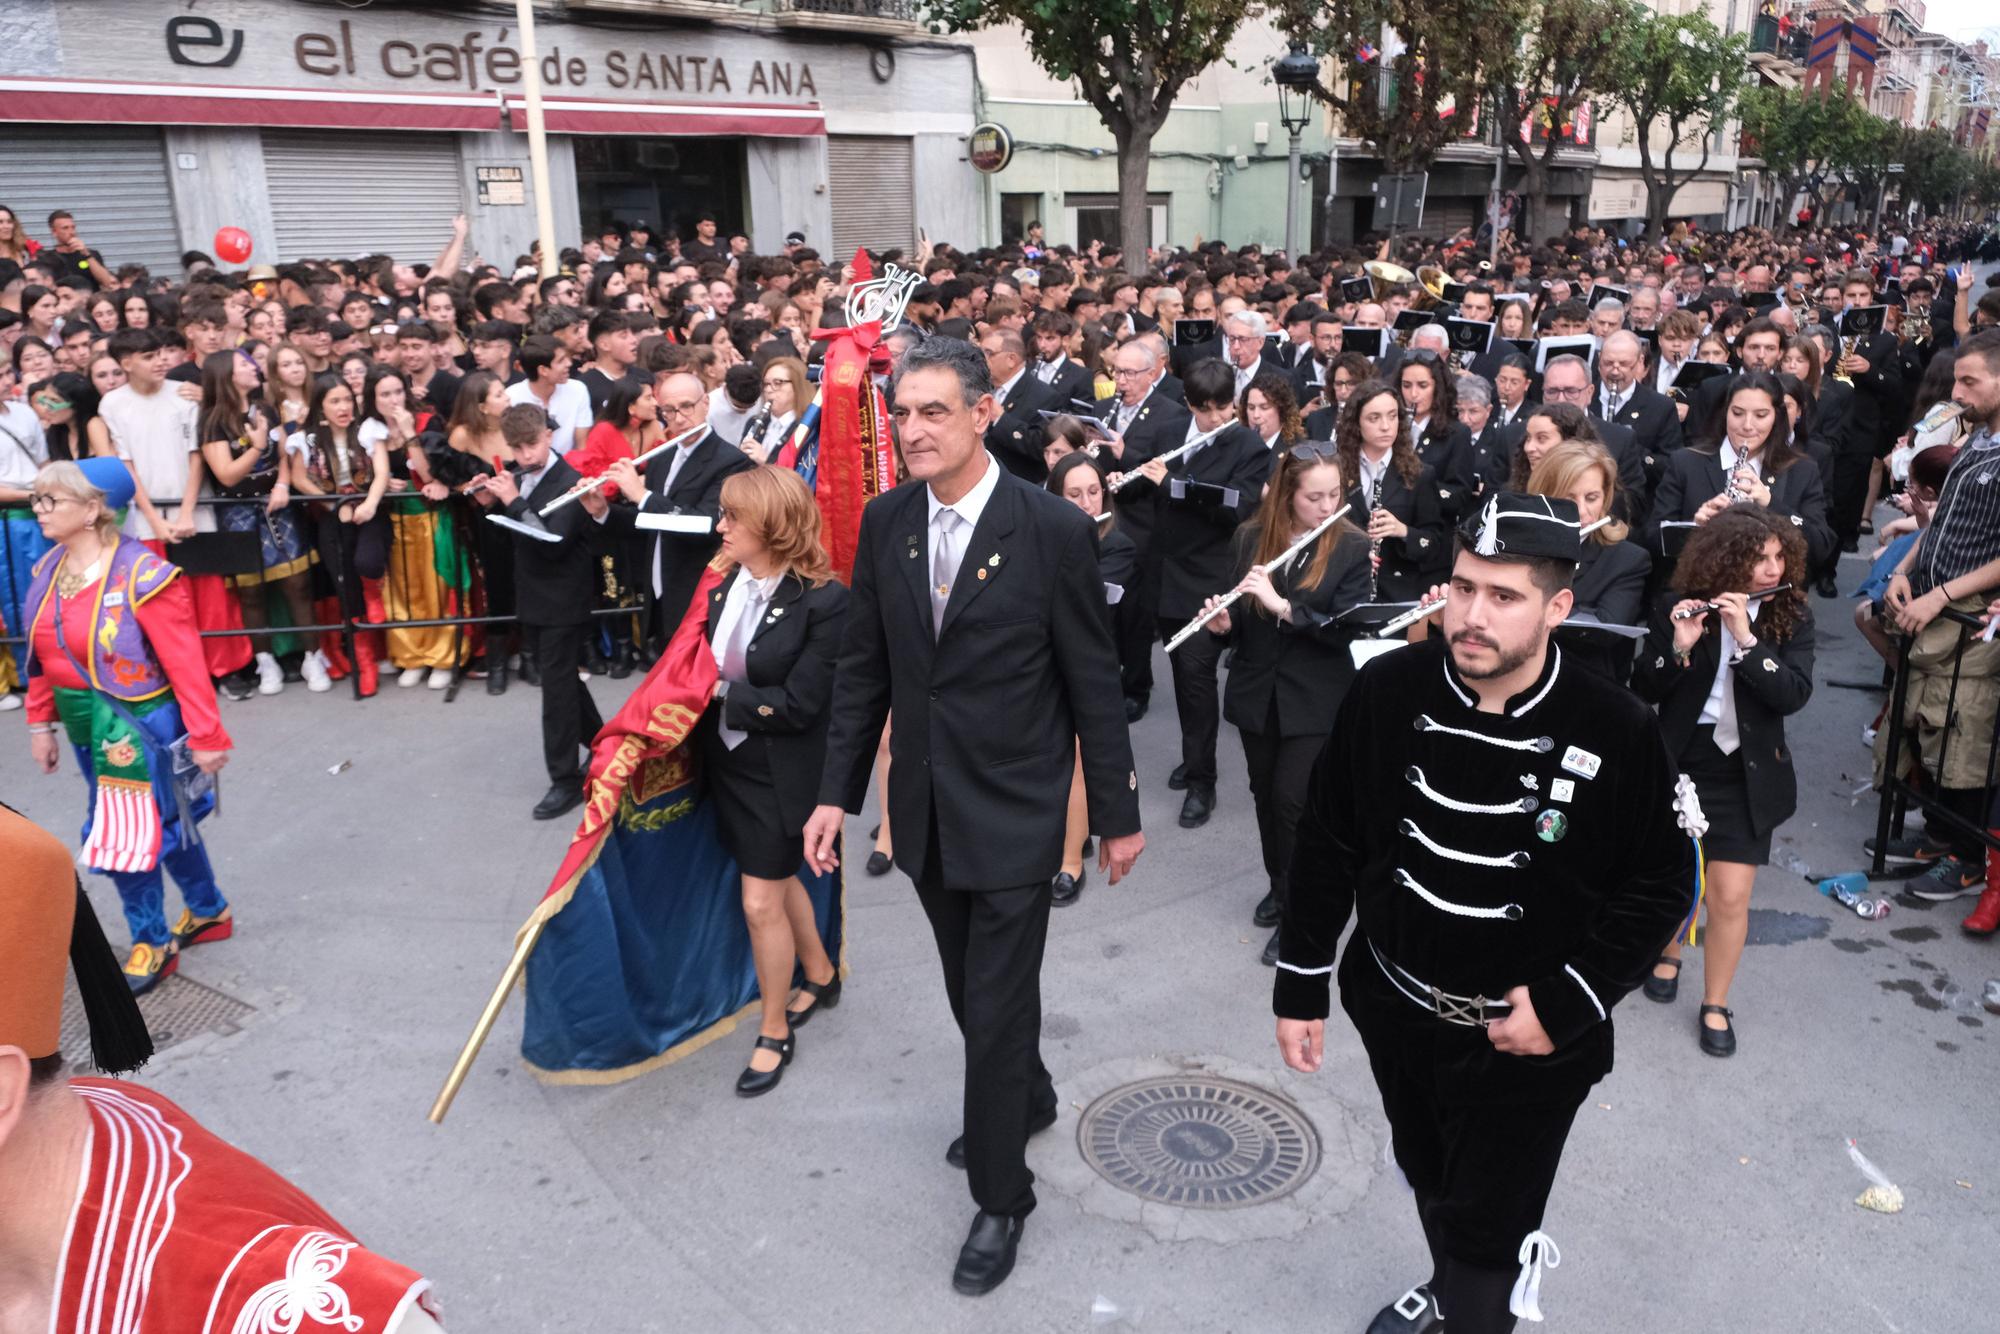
x=1016 y=438
x=1487 y=449
x=1443 y=442
x=1513 y=382
x=1067 y=381
x=774 y=625
x=555 y=584
x=1079 y=479
x=1882 y=385
x=1143 y=424
x=1198 y=501
x=1611 y=573
x=1389 y=484
x=1349 y=370
x=1310 y=375
x=1246 y=350
x=1502 y=831
x=685 y=482
x=1567 y=380
x=1625 y=399
x=1292 y=665
x=976 y=617
x=1725 y=681
x=1753 y=460
x=1758 y=348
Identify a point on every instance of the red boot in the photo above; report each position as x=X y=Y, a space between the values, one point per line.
x=1984 y=919
x=327 y=611
x=370 y=646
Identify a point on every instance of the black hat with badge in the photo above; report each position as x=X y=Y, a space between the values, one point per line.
x=1511 y=524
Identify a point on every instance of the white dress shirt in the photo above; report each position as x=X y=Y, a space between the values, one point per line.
x=968 y=507
x=1001 y=392
x=747 y=597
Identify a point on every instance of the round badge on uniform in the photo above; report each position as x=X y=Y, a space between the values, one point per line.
x=1551 y=825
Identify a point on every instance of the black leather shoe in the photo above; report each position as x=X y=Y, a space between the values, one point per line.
x=1718 y=1041
x=1065 y=887
x=1177 y=780
x=531 y=671
x=753 y=1082
x=988 y=1254
x=594 y=662
x=1269 y=958
x=1200 y=804
x=954 y=1154
x=1415 y=1312
x=1267 y=910
x=496 y=680
x=1135 y=708
x=825 y=996
x=1663 y=989
x=622 y=662
x=561 y=798
x=1826 y=587
x=879 y=863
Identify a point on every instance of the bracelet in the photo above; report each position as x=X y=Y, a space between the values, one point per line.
x=41 y=727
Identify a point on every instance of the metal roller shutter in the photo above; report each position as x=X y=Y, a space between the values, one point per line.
x=339 y=195
x=113 y=178
x=873 y=187
x=1445 y=214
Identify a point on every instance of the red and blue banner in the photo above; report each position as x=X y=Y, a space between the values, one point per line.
x=644 y=956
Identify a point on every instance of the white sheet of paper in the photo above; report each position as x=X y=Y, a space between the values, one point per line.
x=1113 y=594
x=516 y=526
x=697 y=525
x=1362 y=650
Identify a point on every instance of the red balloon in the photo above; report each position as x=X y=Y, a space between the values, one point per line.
x=232 y=245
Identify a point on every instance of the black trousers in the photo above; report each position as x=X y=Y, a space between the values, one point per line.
x=990 y=945
x=352 y=552
x=1197 y=699
x=1137 y=618
x=569 y=715
x=1280 y=767
x=1847 y=490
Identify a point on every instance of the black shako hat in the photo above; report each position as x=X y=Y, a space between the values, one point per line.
x=1511 y=524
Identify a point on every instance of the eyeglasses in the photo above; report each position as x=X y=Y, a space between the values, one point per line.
x=780 y=383
x=1122 y=374
x=1580 y=391
x=44 y=503
x=681 y=409
x=1243 y=338
x=1315 y=451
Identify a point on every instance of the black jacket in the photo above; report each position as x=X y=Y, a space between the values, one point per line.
x=1420 y=558
x=555 y=583
x=1299 y=668
x=1071 y=390
x=1118 y=567
x=1610 y=587
x=696 y=491
x=788 y=681
x=1655 y=424
x=1160 y=425
x=1446 y=448
x=990 y=711
x=1016 y=436
x=1694 y=476
x=1772 y=682
x=1634 y=492
x=1219 y=488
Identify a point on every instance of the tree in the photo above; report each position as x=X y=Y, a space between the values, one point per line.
x=1564 y=60
x=1130 y=58
x=1681 y=74
x=1433 y=78
x=1936 y=170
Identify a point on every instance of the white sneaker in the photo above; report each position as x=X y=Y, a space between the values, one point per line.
x=412 y=676
x=270 y=676
x=9 y=703
x=1868 y=736
x=313 y=668
x=440 y=678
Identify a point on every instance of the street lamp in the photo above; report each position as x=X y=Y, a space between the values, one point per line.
x=1295 y=73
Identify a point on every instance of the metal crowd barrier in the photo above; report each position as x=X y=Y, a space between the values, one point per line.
x=1899 y=792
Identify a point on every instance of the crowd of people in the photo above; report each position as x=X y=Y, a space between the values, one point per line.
x=1278 y=459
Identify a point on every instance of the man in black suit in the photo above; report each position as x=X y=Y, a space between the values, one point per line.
x=1247 y=351
x=1624 y=397
x=1513 y=380
x=678 y=499
x=1067 y=381
x=1016 y=437
x=1875 y=416
x=1567 y=380
x=554 y=586
x=977 y=616
x=1309 y=377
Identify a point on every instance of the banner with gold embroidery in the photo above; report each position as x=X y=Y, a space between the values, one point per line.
x=644 y=956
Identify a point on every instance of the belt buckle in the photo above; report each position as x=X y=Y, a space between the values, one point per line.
x=1470 y=1013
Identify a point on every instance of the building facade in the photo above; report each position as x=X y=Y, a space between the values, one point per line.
x=327 y=130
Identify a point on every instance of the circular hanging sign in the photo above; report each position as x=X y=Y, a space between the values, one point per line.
x=990 y=148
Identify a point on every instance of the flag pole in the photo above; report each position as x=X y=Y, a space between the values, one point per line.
x=470 y=1052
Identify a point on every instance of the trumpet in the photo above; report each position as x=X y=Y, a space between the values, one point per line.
x=1171 y=455
x=589 y=484
x=1279 y=562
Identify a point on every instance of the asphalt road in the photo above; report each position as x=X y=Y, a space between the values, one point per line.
x=378 y=904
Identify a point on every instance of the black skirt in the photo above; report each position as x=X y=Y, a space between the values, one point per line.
x=746 y=803
x=1720 y=784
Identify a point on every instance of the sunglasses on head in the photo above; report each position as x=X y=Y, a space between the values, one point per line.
x=1315 y=451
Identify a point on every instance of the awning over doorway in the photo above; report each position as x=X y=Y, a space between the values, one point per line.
x=104 y=101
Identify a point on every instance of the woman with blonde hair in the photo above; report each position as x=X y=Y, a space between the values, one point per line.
x=1610 y=583
x=762 y=741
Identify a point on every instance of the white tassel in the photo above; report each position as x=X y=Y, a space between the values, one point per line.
x=1687 y=807
x=1538 y=1252
x=1489 y=529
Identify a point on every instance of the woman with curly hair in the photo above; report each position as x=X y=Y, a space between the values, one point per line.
x=1271 y=409
x=1545 y=426
x=1387 y=483
x=1725 y=680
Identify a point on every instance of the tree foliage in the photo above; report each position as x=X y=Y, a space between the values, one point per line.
x=1817 y=140
x=1129 y=58
x=1678 y=75
x=1936 y=169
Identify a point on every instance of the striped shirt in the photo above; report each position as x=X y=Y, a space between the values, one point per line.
x=1965 y=532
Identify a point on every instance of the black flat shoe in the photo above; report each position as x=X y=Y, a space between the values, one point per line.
x=825 y=996
x=1177 y=780
x=1135 y=709
x=1826 y=587
x=496 y=680
x=1267 y=910
x=1200 y=804
x=1065 y=887
x=753 y=1082
x=1415 y=1312
x=561 y=798
x=1718 y=1041
x=879 y=863
x=531 y=671
x=988 y=1254
x=1269 y=958
x=954 y=1153
x=1663 y=989
x=622 y=662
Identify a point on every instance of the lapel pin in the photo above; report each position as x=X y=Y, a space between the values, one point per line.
x=980 y=573
x=776 y=612
x=993 y=560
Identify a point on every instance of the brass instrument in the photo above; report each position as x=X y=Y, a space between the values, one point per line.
x=1431 y=279
x=1386 y=275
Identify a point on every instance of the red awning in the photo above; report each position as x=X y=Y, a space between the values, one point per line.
x=83 y=101
x=570 y=115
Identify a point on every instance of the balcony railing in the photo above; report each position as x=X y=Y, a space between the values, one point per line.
x=1767 y=38
x=896 y=11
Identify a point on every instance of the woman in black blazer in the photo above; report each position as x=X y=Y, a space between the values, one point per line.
x=1755 y=456
x=1443 y=442
x=774 y=624
x=1740 y=669
x=1079 y=479
x=1400 y=507
x=1610 y=582
x=1292 y=665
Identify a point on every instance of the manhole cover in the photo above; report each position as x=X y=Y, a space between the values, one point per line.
x=1201 y=1143
x=175 y=1010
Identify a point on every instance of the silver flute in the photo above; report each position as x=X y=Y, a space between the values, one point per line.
x=1418 y=612
x=1171 y=455
x=1700 y=608
x=589 y=484
x=1276 y=563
